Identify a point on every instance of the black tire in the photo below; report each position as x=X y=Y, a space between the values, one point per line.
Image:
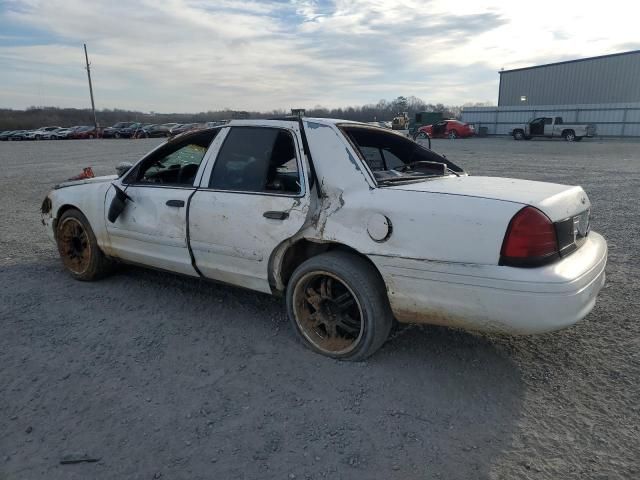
x=79 y=249
x=353 y=291
x=518 y=135
x=117 y=135
x=452 y=135
x=569 y=135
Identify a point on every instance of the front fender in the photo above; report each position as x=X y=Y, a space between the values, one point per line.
x=88 y=198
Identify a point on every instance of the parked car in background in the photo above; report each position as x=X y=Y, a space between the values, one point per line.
x=118 y=130
x=64 y=133
x=446 y=129
x=553 y=127
x=18 y=135
x=153 y=131
x=133 y=130
x=355 y=226
x=41 y=133
x=29 y=135
x=85 y=132
x=144 y=130
x=186 y=127
x=4 y=136
x=53 y=134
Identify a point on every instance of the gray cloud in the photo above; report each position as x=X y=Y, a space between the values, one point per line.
x=185 y=55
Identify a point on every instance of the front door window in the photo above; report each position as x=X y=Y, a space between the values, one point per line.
x=176 y=164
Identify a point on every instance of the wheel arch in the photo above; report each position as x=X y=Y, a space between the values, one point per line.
x=61 y=211
x=292 y=253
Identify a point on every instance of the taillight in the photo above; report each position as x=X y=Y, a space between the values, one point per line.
x=530 y=240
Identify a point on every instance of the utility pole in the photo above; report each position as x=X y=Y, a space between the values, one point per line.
x=93 y=106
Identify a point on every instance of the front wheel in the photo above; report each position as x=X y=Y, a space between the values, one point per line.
x=78 y=247
x=337 y=304
x=452 y=135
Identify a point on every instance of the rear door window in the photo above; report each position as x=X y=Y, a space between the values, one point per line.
x=257 y=159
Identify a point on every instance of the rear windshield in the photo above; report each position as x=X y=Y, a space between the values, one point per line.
x=393 y=157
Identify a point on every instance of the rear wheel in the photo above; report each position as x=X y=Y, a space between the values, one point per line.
x=569 y=135
x=78 y=247
x=452 y=135
x=518 y=135
x=117 y=135
x=337 y=304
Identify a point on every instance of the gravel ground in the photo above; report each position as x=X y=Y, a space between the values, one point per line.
x=166 y=377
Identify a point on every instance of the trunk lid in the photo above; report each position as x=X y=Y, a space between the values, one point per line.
x=557 y=201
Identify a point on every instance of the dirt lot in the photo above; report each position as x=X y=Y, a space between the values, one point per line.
x=166 y=377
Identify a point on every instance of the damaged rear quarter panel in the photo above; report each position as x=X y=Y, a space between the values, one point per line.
x=426 y=226
x=430 y=231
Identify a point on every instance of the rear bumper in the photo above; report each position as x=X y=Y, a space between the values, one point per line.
x=495 y=298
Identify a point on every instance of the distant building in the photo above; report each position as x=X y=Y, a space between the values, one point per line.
x=603 y=90
x=606 y=79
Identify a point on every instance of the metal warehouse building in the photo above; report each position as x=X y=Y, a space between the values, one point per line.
x=602 y=90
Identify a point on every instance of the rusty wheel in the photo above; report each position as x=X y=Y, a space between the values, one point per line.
x=75 y=248
x=328 y=312
x=338 y=306
x=78 y=248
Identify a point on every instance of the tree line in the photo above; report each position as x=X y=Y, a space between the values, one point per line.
x=384 y=110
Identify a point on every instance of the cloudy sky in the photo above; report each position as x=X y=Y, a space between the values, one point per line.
x=198 y=55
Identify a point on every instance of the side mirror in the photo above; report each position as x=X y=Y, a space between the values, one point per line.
x=123 y=168
x=118 y=204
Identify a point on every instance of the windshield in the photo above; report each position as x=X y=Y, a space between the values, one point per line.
x=394 y=158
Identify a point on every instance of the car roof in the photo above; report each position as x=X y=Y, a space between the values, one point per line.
x=274 y=121
x=321 y=121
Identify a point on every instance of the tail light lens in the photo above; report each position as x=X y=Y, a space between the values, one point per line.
x=530 y=240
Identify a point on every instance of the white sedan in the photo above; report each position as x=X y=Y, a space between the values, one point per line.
x=356 y=226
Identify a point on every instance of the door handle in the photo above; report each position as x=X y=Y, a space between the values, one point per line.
x=175 y=203
x=276 y=215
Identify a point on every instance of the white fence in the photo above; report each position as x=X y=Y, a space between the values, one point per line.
x=611 y=120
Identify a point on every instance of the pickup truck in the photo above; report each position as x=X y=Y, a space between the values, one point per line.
x=553 y=127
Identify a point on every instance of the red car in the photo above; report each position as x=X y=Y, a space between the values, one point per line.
x=446 y=129
x=86 y=132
